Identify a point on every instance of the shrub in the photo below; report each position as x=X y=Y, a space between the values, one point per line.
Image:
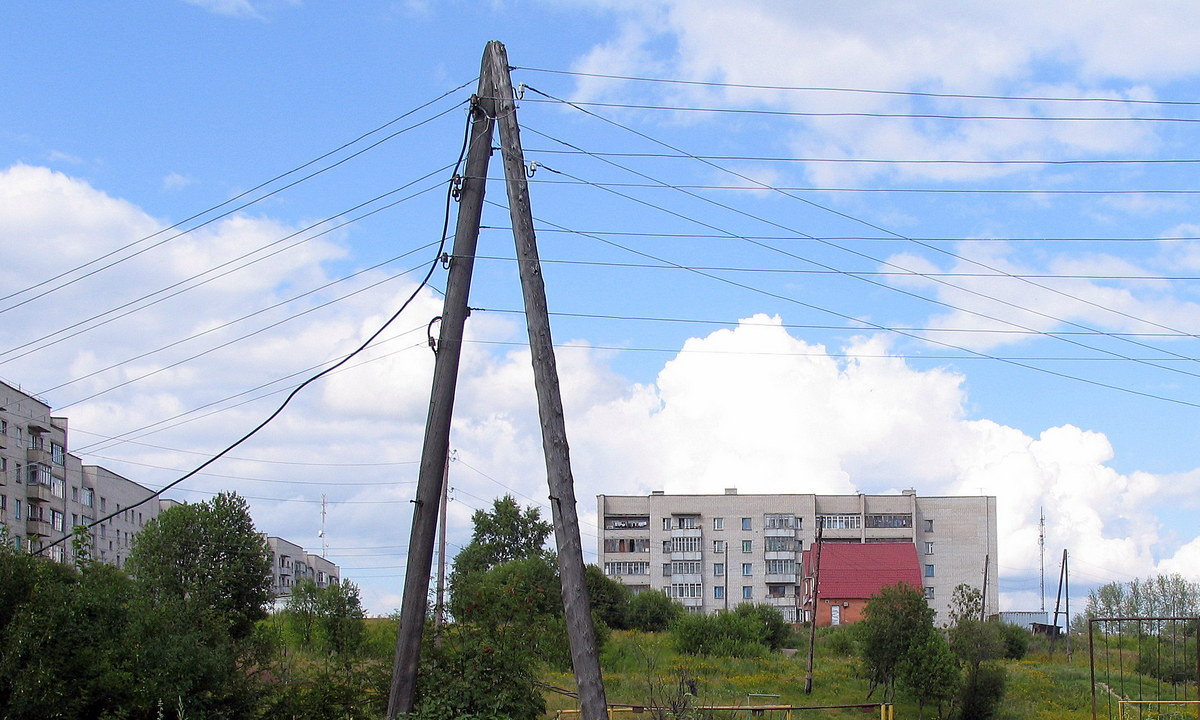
x=773 y=630
x=1016 y=641
x=725 y=634
x=652 y=611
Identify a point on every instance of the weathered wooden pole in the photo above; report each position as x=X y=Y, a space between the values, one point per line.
x=585 y=656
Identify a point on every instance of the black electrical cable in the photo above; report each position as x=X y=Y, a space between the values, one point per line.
x=432 y=267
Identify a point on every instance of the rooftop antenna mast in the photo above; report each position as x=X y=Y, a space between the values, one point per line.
x=1042 y=552
x=324 y=540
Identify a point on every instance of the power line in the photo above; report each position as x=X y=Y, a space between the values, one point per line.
x=233 y=210
x=866 y=91
x=873 y=115
x=128 y=306
x=432 y=267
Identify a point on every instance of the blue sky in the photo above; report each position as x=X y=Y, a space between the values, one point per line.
x=749 y=288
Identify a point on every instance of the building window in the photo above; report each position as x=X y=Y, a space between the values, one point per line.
x=666 y=523
x=56 y=454
x=610 y=568
x=928 y=548
x=718 y=569
x=747 y=546
x=840 y=522
x=718 y=546
x=103 y=505
x=666 y=546
x=17 y=510
x=746 y=525
x=718 y=593
x=89 y=497
x=889 y=521
x=685 y=544
x=747 y=592
x=928 y=526
x=747 y=569
x=781 y=567
x=779 y=544
x=611 y=545
x=666 y=569
x=718 y=523
x=778 y=521
x=687 y=522
x=928 y=592
x=618 y=522
x=928 y=571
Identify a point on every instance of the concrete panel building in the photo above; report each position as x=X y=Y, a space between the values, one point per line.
x=712 y=552
x=290 y=563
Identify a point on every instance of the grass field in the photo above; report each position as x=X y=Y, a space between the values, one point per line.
x=644 y=669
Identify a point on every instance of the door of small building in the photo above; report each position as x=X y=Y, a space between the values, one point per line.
x=835 y=615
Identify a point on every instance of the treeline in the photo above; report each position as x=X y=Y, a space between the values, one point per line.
x=181 y=632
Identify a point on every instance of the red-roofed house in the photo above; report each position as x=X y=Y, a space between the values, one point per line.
x=851 y=573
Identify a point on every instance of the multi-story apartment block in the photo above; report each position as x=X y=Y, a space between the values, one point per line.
x=46 y=492
x=712 y=552
x=290 y=564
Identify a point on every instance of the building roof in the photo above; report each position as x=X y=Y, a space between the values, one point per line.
x=860 y=570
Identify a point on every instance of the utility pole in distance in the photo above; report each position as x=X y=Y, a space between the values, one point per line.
x=441 y=403
x=581 y=634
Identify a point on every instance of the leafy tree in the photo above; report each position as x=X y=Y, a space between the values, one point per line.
x=202 y=581
x=340 y=617
x=928 y=672
x=610 y=599
x=300 y=611
x=59 y=608
x=208 y=556
x=506 y=533
x=652 y=611
x=975 y=643
x=895 y=621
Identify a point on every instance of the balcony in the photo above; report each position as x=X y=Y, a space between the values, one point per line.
x=779 y=532
x=779 y=555
x=38 y=455
x=37 y=528
x=782 y=602
x=781 y=578
x=37 y=493
x=685 y=532
x=681 y=555
x=691 y=602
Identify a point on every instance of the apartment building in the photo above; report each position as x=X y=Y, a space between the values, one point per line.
x=45 y=492
x=712 y=552
x=290 y=564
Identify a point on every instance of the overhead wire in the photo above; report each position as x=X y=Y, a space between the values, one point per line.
x=237 y=197
x=254 y=313
x=860 y=221
x=179 y=286
x=313 y=378
x=866 y=91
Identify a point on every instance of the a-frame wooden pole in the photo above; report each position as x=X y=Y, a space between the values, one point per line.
x=441 y=402
x=576 y=604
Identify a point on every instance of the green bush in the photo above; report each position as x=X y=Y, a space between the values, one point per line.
x=1016 y=641
x=981 y=692
x=724 y=634
x=652 y=611
x=839 y=640
x=773 y=630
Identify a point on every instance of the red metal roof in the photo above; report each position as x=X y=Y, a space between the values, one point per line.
x=860 y=570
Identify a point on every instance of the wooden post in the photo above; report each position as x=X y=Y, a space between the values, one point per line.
x=441 y=403
x=812 y=621
x=585 y=656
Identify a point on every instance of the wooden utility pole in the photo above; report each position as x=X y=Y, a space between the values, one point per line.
x=439 y=605
x=581 y=634
x=441 y=402
x=987 y=561
x=812 y=621
x=1062 y=573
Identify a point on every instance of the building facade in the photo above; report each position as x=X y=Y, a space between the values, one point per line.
x=46 y=492
x=713 y=552
x=290 y=564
